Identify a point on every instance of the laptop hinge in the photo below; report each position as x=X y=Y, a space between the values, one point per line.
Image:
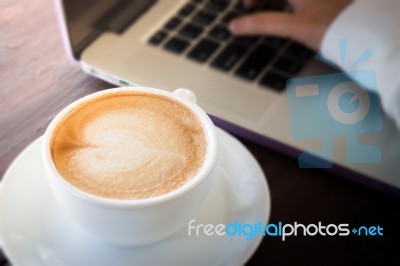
x=117 y=20
x=123 y=14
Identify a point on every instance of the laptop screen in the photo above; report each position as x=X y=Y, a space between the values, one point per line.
x=87 y=19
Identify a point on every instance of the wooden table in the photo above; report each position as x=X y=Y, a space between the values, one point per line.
x=37 y=81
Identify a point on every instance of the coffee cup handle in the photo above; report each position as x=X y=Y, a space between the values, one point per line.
x=185 y=94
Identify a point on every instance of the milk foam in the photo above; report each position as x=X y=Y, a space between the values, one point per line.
x=117 y=145
x=130 y=152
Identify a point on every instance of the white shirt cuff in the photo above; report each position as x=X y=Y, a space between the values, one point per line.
x=374 y=25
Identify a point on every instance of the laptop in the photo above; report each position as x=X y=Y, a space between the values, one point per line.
x=239 y=81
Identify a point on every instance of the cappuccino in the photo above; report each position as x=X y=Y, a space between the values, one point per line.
x=129 y=145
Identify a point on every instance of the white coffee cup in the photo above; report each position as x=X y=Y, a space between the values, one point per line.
x=134 y=222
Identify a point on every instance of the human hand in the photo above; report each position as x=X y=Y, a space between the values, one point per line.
x=307 y=22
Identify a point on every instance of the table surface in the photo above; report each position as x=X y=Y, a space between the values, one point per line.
x=37 y=81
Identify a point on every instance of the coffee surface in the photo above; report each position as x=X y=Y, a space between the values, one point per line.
x=129 y=145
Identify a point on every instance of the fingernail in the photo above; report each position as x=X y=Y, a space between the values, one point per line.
x=232 y=26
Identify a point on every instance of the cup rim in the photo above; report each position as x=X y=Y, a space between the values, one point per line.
x=190 y=184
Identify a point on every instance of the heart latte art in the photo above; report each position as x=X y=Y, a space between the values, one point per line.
x=129 y=146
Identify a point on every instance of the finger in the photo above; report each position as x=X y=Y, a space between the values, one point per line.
x=266 y=23
x=250 y=3
x=297 y=4
x=303 y=5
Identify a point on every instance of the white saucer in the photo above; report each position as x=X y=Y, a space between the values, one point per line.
x=33 y=231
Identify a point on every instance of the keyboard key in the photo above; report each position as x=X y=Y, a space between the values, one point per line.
x=203 y=50
x=204 y=18
x=186 y=10
x=288 y=65
x=228 y=17
x=239 y=7
x=157 y=38
x=176 y=45
x=257 y=7
x=228 y=57
x=274 y=6
x=190 y=31
x=274 y=81
x=245 y=41
x=299 y=51
x=256 y=61
x=275 y=41
x=217 y=5
x=219 y=32
x=172 y=23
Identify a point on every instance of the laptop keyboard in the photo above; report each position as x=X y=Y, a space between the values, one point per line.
x=199 y=32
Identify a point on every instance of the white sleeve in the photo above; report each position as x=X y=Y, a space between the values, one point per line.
x=374 y=25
